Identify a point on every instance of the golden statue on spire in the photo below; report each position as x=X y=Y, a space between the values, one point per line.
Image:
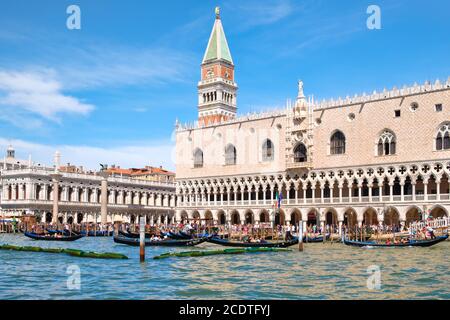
x=217 y=12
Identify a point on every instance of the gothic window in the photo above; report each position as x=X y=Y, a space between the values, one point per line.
x=230 y=155
x=443 y=137
x=386 y=144
x=337 y=143
x=267 y=150
x=198 y=158
x=300 y=153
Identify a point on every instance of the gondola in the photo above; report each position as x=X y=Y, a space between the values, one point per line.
x=240 y=244
x=315 y=239
x=133 y=235
x=178 y=236
x=161 y=243
x=35 y=236
x=191 y=236
x=410 y=243
x=97 y=233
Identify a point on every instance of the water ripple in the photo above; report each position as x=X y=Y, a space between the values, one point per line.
x=322 y=271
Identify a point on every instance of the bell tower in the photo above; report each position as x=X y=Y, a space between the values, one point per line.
x=217 y=89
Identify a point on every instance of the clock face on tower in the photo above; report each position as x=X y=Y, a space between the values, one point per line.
x=210 y=73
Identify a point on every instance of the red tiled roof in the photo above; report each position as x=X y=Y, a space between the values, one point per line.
x=139 y=171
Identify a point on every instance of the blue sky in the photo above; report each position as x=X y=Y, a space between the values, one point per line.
x=110 y=92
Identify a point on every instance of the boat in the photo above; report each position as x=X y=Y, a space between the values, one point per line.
x=133 y=235
x=410 y=243
x=161 y=243
x=49 y=237
x=242 y=244
x=316 y=239
x=190 y=236
x=178 y=236
x=97 y=233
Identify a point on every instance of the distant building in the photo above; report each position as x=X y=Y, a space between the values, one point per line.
x=147 y=173
x=28 y=189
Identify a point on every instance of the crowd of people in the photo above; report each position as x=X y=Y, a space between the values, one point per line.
x=250 y=232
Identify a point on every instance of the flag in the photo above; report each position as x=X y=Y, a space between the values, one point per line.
x=279 y=197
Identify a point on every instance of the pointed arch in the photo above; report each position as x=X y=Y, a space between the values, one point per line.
x=337 y=143
x=230 y=154
x=443 y=137
x=198 y=158
x=268 y=150
x=300 y=153
x=387 y=143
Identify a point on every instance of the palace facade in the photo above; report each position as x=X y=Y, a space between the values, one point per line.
x=27 y=189
x=373 y=158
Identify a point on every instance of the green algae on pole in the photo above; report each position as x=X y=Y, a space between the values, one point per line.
x=70 y=252
x=218 y=252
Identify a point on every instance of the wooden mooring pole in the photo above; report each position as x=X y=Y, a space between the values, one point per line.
x=142 y=239
x=300 y=236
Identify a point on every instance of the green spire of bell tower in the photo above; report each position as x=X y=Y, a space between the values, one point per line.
x=217 y=46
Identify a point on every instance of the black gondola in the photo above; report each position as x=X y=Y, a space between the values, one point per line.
x=228 y=243
x=97 y=233
x=161 y=243
x=35 y=236
x=178 y=236
x=315 y=239
x=410 y=243
x=133 y=235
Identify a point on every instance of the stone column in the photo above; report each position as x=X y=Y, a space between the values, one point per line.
x=29 y=191
x=304 y=194
x=322 y=191
x=331 y=193
x=438 y=189
x=55 y=178
x=340 y=227
x=340 y=193
x=402 y=191
x=104 y=200
x=413 y=191
x=14 y=192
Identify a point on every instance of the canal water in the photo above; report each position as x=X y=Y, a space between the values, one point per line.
x=322 y=271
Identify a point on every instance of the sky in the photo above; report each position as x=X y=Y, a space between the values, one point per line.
x=111 y=91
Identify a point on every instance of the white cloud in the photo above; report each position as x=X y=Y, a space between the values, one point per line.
x=96 y=66
x=266 y=12
x=134 y=155
x=37 y=93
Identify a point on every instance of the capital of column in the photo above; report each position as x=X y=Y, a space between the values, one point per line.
x=56 y=177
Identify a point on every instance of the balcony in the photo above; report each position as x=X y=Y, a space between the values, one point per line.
x=298 y=165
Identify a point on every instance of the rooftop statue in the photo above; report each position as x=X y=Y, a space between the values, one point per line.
x=300 y=89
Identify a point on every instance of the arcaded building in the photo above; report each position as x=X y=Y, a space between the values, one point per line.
x=382 y=157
